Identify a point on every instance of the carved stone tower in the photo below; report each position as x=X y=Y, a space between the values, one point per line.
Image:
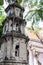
x=14 y=38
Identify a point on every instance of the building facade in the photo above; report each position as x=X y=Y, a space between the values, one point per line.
x=35 y=48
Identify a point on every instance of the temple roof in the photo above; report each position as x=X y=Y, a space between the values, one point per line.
x=13 y=5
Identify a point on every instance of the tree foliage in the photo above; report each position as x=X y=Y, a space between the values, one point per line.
x=1 y=2
x=2 y=17
x=35 y=11
x=36 y=8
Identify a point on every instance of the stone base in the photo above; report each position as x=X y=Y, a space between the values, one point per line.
x=12 y=62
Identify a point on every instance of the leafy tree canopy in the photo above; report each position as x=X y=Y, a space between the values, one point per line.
x=2 y=17
x=35 y=13
x=1 y=2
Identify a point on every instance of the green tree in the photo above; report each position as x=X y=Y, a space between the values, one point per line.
x=1 y=2
x=35 y=13
x=2 y=17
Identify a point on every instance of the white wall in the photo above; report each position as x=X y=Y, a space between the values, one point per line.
x=41 y=58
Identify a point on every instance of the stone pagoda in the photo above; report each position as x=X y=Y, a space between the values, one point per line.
x=15 y=41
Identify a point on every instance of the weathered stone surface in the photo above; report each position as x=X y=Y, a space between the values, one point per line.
x=14 y=46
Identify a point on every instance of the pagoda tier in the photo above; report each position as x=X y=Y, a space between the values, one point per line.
x=10 y=41
x=16 y=35
x=14 y=10
x=13 y=5
x=16 y=24
x=21 y=20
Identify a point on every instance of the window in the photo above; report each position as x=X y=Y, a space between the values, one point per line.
x=27 y=52
x=21 y=14
x=18 y=27
x=17 y=50
x=4 y=28
x=10 y=25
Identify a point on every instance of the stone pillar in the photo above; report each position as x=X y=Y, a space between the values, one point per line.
x=31 y=60
x=35 y=57
x=35 y=61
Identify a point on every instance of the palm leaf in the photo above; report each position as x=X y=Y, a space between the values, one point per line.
x=30 y=15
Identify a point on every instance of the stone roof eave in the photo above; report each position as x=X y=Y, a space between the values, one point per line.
x=16 y=34
x=13 y=5
x=8 y=18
